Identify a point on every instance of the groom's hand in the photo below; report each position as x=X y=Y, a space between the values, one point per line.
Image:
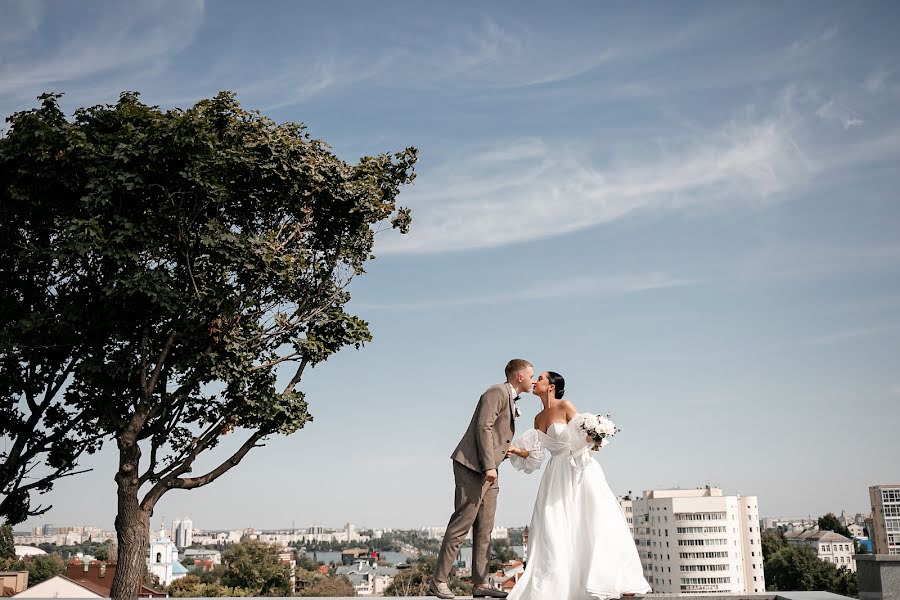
x=491 y=475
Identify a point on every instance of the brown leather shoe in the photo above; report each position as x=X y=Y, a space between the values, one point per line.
x=440 y=589
x=480 y=592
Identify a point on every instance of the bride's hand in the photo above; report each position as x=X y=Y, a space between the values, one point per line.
x=517 y=451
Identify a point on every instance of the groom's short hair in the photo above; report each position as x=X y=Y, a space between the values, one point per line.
x=516 y=365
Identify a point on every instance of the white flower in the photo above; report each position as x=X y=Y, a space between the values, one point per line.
x=590 y=422
x=606 y=426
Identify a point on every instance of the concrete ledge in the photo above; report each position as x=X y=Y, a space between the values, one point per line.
x=877 y=558
x=760 y=596
x=878 y=576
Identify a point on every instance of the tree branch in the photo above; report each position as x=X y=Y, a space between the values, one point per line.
x=159 y=364
x=296 y=378
x=195 y=482
x=145 y=357
x=173 y=481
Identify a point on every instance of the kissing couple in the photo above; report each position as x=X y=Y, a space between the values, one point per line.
x=580 y=546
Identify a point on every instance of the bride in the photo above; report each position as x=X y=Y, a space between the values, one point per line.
x=579 y=545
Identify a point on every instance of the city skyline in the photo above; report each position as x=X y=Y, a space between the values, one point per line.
x=687 y=210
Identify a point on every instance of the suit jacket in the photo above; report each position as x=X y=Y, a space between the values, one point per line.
x=490 y=431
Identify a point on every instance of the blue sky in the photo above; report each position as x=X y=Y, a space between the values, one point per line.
x=686 y=209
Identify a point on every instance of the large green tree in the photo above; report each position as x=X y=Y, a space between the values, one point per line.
x=329 y=586
x=797 y=568
x=7 y=543
x=40 y=567
x=501 y=552
x=830 y=522
x=51 y=315
x=255 y=566
x=210 y=247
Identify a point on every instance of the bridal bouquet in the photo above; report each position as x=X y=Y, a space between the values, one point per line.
x=599 y=428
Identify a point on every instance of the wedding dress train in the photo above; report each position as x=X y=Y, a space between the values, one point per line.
x=579 y=544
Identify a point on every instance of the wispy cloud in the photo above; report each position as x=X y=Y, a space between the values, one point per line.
x=812 y=44
x=574 y=287
x=832 y=111
x=529 y=189
x=120 y=37
x=296 y=81
x=879 y=81
x=853 y=334
x=486 y=55
x=20 y=20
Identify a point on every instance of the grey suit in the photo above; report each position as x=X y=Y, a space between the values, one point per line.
x=481 y=448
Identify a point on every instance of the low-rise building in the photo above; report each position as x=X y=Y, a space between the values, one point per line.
x=97 y=576
x=63 y=587
x=368 y=579
x=12 y=582
x=829 y=546
x=203 y=554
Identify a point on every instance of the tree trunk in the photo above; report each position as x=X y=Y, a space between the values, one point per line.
x=132 y=525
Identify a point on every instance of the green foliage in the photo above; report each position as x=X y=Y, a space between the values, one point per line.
x=163 y=264
x=846 y=583
x=99 y=550
x=329 y=587
x=48 y=317
x=40 y=567
x=501 y=552
x=191 y=586
x=255 y=566
x=415 y=580
x=831 y=523
x=797 y=568
x=306 y=562
x=7 y=543
x=516 y=537
x=192 y=246
x=772 y=541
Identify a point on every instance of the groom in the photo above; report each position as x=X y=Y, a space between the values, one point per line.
x=475 y=460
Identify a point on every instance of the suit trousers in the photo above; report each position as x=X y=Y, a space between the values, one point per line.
x=475 y=503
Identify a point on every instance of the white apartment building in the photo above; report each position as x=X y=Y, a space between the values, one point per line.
x=433 y=533
x=885 y=518
x=699 y=542
x=829 y=546
x=625 y=503
x=183 y=532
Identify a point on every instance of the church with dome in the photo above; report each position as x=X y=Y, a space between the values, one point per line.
x=163 y=558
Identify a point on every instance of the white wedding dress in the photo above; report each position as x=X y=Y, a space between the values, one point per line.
x=579 y=544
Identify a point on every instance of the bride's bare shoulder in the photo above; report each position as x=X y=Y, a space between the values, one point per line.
x=569 y=408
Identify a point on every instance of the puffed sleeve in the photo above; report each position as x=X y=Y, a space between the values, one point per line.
x=577 y=436
x=529 y=440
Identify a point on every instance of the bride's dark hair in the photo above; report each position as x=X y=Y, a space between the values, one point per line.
x=558 y=382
